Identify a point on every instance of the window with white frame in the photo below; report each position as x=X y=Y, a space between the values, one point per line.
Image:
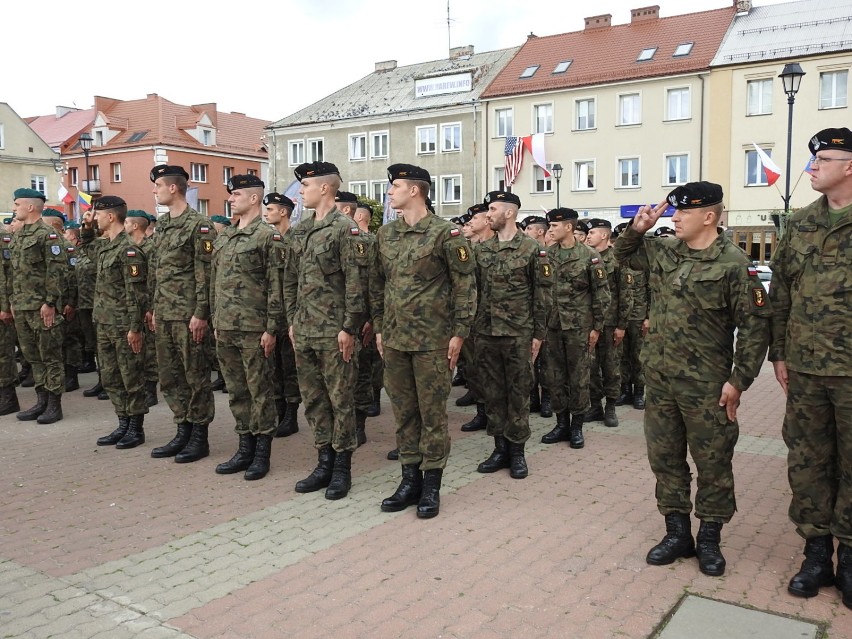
x=99 y=138
x=227 y=174
x=197 y=172
x=358 y=146
x=203 y=206
x=251 y=171
x=316 y=150
x=754 y=169
x=358 y=188
x=426 y=139
x=584 y=175
x=379 y=189
x=677 y=169
x=678 y=104
x=500 y=178
x=39 y=183
x=96 y=171
x=629 y=109
x=379 y=144
x=115 y=170
x=833 y=89
x=295 y=152
x=505 y=122
x=451 y=187
x=541 y=182
x=451 y=137
x=73 y=176
x=2 y=137
x=759 y=96
x=628 y=173
x=585 y=110
x=206 y=137
x=433 y=186
x=226 y=207
x=543 y=118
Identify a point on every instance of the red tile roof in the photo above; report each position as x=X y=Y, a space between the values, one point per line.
x=608 y=54
x=58 y=130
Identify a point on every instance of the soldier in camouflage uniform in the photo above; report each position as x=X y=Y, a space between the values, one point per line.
x=577 y=298
x=119 y=313
x=84 y=272
x=40 y=267
x=325 y=308
x=363 y=217
x=704 y=290
x=183 y=247
x=245 y=301
x=8 y=370
x=277 y=211
x=812 y=355
x=423 y=300
x=509 y=329
x=536 y=228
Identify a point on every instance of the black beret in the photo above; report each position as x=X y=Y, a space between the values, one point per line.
x=620 y=228
x=408 y=172
x=464 y=218
x=364 y=205
x=561 y=214
x=315 y=169
x=840 y=139
x=598 y=223
x=502 y=196
x=695 y=195
x=456 y=220
x=8 y=220
x=244 y=182
x=162 y=170
x=346 y=196
x=277 y=198
x=664 y=231
x=109 y=202
x=582 y=226
x=477 y=208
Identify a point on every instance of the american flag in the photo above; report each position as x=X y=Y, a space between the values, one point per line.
x=514 y=152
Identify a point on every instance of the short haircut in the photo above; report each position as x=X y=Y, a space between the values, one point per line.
x=178 y=180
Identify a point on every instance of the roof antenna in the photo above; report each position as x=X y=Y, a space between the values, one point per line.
x=449 y=41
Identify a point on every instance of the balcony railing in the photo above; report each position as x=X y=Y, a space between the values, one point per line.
x=91 y=186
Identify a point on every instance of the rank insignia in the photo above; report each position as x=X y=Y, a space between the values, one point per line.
x=360 y=248
x=55 y=250
x=759 y=297
x=207 y=246
x=545 y=270
x=134 y=270
x=630 y=278
x=283 y=255
x=463 y=254
x=204 y=229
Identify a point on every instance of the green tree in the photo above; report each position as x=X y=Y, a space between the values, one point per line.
x=378 y=212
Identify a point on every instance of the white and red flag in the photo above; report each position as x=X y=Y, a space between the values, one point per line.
x=769 y=167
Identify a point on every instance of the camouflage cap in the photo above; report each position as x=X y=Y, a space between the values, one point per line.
x=53 y=213
x=840 y=139
x=695 y=195
x=277 y=198
x=31 y=194
x=315 y=169
x=108 y=202
x=244 y=182
x=163 y=170
x=502 y=196
x=561 y=215
x=221 y=219
x=408 y=172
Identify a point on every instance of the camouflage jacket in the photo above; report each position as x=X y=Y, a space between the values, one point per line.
x=363 y=258
x=39 y=266
x=120 y=286
x=811 y=293
x=422 y=284
x=246 y=275
x=85 y=271
x=183 y=247
x=322 y=291
x=510 y=301
x=69 y=288
x=579 y=293
x=5 y=272
x=699 y=299
x=620 y=282
x=641 y=295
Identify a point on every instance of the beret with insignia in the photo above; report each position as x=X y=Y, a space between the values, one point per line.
x=534 y=219
x=454 y=220
x=277 y=198
x=561 y=214
x=346 y=196
x=315 y=169
x=408 y=172
x=620 y=228
x=53 y=213
x=695 y=195
x=464 y=218
x=163 y=170
x=221 y=219
x=664 y=231
x=71 y=224
x=477 y=208
x=502 y=196
x=30 y=194
x=598 y=223
x=582 y=226
x=8 y=220
x=109 y=202
x=137 y=213
x=244 y=182
x=840 y=139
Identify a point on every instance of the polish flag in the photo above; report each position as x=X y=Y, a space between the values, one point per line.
x=64 y=195
x=535 y=145
x=769 y=167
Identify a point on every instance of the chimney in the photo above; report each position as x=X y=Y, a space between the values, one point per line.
x=461 y=52
x=645 y=13
x=62 y=110
x=598 y=22
x=387 y=65
x=742 y=6
x=531 y=36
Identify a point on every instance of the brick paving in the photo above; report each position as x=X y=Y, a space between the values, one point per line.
x=96 y=542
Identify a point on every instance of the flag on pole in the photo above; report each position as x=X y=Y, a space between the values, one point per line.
x=769 y=167
x=535 y=145
x=64 y=195
x=84 y=200
x=514 y=158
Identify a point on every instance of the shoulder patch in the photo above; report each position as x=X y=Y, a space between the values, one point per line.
x=7 y=239
x=463 y=254
x=276 y=237
x=542 y=253
x=546 y=270
x=355 y=231
x=56 y=250
x=759 y=297
x=360 y=248
x=630 y=278
x=203 y=229
x=52 y=236
x=454 y=232
x=131 y=253
x=751 y=270
x=596 y=260
x=207 y=246
x=134 y=270
x=807 y=228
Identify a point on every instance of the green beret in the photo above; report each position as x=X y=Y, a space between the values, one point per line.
x=137 y=213
x=71 y=224
x=221 y=219
x=31 y=194
x=53 y=213
x=152 y=218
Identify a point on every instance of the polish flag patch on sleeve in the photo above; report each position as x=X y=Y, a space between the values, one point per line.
x=355 y=231
x=203 y=229
x=595 y=260
x=751 y=270
x=131 y=253
x=455 y=233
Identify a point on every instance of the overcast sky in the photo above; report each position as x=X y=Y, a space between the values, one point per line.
x=262 y=58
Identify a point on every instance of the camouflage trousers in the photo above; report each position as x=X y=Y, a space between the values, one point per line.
x=683 y=413
x=87 y=330
x=363 y=359
x=818 y=433
x=122 y=371
x=285 y=379
x=632 y=370
x=567 y=369
x=42 y=348
x=471 y=367
x=8 y=368
x=248 y=376
x=184 y=368
x=539 y=378
x=150 y=355
x=326 y=382
x=72 y=344
x=605 y=370
x=418 y=384
x=505 y=371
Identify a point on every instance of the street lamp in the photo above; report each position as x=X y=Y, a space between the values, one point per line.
x=557 y=173
x=791 y=77
x=86 y=144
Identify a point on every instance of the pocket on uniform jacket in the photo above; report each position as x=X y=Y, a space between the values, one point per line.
x=327 y=258
x=426 y=265
x=709 y=290
x=249 y=260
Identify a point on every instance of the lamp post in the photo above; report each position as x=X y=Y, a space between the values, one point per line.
x=86 y=144
x=557 y=173
x=791 y=77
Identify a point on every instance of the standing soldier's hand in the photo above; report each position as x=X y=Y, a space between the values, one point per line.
x=346 y=345
x=618 y=336
x=593 y=339
x=454 y=350
x=367 y=334
x=730 y=399
x=292 y=336
x=379 y=346
x=267 y=343
x=781 y=374
x=134 y=340
x=6 y=318
x=646 y=324
x=536 y=347
x=48 y=315
x=198 y=328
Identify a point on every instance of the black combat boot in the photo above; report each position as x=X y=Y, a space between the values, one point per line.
x=321 y=475
x=40 y=406
x=360 y=427
x=9 y=400
x=87 y=365
x=103 y=395
x=430 y=496
x=393 y=455
x=817 y=569
x=95 y=390
x=72 y=382
x=595 y=412
x=535 y=400
x=677 y=543
x=560 y=432
x=517 y=462
x=479 y=422
x=610 y=419
x=710 y=559
x=639 y=397
x=408 y=492
x=375 y=408
x=26 y=376
x=546 y=408
x=575 y=432
x=242 y=459
x=151 y=393
x=218 y=384
x=115 y=436
x=466 y=400
x=197 y=447
x=341 y=476
x=844 y=573
x=289 y=424
x=458 y=378
x=135 y=435
x=499 y=458
x=53 y=412
x=260 y=465
x=178 y=443
x=626 y=396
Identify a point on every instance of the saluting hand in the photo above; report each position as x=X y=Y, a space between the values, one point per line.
x=647 y=216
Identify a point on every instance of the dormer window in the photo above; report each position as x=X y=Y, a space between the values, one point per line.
x=683 y=49
x=647 y=54
x=206 y=137
x=530 y=71
x=562 y=67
